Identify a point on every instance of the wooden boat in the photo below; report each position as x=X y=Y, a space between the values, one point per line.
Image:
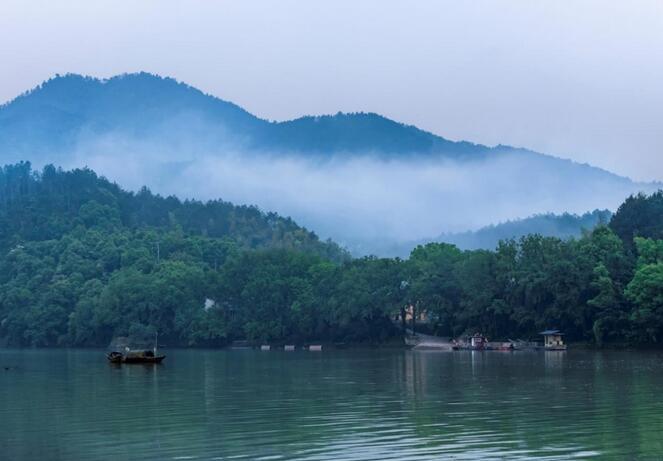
x=121 y=351
x=141 y=356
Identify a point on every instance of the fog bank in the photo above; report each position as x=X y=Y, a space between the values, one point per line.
x=359 y=199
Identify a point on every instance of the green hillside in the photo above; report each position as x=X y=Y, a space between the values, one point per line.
x=82 y=261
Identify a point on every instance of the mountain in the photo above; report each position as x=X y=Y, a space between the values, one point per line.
x=356 y=178
x=83 y=261
x=57 y=113
x=563 y=226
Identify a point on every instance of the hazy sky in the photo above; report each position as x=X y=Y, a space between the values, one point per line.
x=578 y=79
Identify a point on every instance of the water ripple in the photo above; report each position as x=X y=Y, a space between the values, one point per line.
x=346 y=405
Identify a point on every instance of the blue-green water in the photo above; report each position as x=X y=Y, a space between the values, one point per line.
x=336 y=405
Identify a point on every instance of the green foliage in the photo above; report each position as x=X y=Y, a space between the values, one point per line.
x=645 y=291
x=649 y=251
x=46 y=206
x=82 y=261
x=639 y=216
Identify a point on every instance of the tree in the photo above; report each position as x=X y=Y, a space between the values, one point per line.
x=645 y=291
x=608 y=315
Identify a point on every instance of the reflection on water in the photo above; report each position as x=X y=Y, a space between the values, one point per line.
x=342 y=405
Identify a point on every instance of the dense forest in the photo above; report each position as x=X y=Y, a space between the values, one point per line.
x=82 y=261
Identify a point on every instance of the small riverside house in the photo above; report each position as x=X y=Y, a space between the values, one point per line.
x=552 y=340
x=478 y=341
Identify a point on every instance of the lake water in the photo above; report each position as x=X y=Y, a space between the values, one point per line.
x=332 y=405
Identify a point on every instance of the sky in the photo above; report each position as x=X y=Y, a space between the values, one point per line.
x=578 y=79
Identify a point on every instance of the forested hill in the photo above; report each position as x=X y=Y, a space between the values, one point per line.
x=46 y=205
x=82 y=261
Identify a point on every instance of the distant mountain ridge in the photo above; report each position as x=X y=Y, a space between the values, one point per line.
x=64 y=107
x=563 y=226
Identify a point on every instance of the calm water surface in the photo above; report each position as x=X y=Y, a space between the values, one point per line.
x=341 y=405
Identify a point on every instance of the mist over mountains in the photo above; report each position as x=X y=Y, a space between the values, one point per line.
x=357 y=178
x=563 y=226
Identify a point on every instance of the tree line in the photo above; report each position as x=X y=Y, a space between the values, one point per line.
x=82 y=261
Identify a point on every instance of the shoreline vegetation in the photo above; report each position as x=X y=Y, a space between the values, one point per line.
x=83 y=261
x=394 y=343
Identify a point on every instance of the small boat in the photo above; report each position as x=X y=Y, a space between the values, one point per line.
x=125 y=350
x=139 y=356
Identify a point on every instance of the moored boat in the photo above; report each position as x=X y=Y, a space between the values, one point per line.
x=127 y=350
x=140 y=356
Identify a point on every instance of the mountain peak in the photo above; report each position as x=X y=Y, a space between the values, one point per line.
x=138 y=102
x=70 y=80
x=55 y=113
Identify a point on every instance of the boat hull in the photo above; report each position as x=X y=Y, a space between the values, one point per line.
x=121 y=358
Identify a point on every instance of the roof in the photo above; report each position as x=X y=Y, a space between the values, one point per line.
x=551 y=332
